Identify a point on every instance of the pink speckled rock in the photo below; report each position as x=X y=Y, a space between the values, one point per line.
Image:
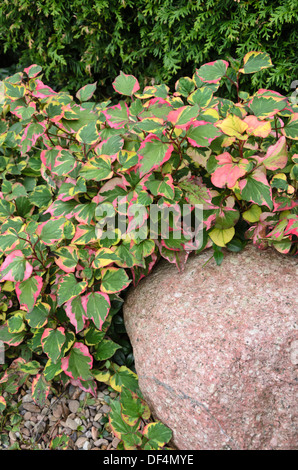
x=216 y=350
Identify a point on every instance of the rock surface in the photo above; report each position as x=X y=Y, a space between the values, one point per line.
x=216 y=349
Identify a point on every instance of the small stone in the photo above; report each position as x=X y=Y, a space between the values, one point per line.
x=29 y=424
x=73 y=405
x=57 y=411
x=101 y=442
x=87 y=445
x=27 y=398
x=115 y=442
x=72 y=424
x=113 y=394
x=32 y=408
x=25 y=432
x=105 y=409
x=76 y=394
x=98 y=416
x=81 y=441
x=78 y=421
x=82 y=396
x=94 y=433
x=27 y=416
x=12 y=436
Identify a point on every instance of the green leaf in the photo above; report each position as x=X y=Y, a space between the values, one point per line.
x=88 y=134
x=41 y=196
x=40 y=390
x=213 y=71
x=51 y=231
x=78 y=363
x=60 y=442
x=52 y=342
x=86 y=93
x=133 y=408
x=129 y=434
x=126 y=84
x=69 y=288
x=38 y=317
x=12 y=339
x=16 y=322
x=153 y=153
x=28 y=292
x=124 y=377
x=114 y=280
x=97 y=307
x=255 y=61
x=97 y=169
x=2 y=404
x=291 y=128
x=15 y=267
x=255 y=188
x=157 y=434
x=106 y=349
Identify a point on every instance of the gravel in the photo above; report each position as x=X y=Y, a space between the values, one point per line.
x=74 y=413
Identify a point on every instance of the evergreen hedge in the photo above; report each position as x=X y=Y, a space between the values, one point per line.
x=76 y=41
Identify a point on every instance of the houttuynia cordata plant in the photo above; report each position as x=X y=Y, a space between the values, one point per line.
x=80 y=182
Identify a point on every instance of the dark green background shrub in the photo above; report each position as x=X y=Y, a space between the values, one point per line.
x=75 y=40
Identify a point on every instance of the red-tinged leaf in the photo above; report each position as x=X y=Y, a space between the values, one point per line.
x=97 y=306
x=8 y=241
x=42 y=91
x=267 y=103
x=256 y=127
x=78 y=363
x=68 y=258
x=212 y=72
x=76 y=313
x=86 y=93
x=89 y=386
x=31 y=133
x=277 y=155
x=2 y=404
x=12 y=339
x=28 y=291
x=182 y=117
x=278 y=232
x=33 y=70
x=156 y=108
x=52 y=342
x=292 y=227
x=282 y=203
x=153 y=153
x=15 y=267
x=85 y=234
x=126 y=84
x=117 y=116
x=40 y=390
x=229 y=171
